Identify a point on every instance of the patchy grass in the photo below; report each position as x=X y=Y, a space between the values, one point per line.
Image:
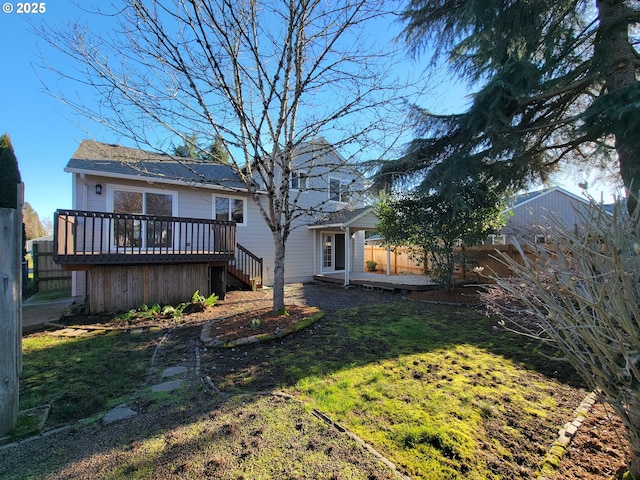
x=81 y=376
x=253 y=437
x=426 y=411
x=436 y=389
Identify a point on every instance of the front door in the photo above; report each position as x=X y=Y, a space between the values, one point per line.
x=333 y=257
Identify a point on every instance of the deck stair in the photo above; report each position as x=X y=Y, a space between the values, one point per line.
x=246 y=268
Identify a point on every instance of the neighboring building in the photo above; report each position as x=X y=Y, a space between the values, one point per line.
x=147 y=227
x=532 y=215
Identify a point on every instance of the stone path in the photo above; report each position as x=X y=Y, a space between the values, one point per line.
x=124 y=412
x=172 y=377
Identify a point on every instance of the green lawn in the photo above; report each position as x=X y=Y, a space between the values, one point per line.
x=79 y=377
x=437 y=390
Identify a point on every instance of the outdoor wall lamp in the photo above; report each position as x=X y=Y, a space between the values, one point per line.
x=98 y=189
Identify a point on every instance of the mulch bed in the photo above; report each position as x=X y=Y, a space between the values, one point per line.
x=260 y=322
x=464 y=295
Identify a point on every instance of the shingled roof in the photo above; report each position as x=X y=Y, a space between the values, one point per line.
x=123 y=162
x=346 y=217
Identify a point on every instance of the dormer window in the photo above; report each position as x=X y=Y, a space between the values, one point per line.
x=298 y=181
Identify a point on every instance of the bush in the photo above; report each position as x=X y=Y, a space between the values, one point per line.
x=371 y=265
x=580 y=294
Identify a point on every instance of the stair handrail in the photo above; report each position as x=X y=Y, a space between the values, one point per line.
x=247 y=264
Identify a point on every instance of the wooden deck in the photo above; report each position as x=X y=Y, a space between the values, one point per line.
x=416 y=283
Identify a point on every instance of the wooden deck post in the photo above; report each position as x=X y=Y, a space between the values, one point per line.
x=10 y=313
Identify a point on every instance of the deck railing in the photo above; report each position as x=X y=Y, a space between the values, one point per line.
x=84 y=238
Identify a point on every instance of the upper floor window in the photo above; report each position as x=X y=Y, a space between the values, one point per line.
x=298 y=181
x=230 y=208
x=338 y=192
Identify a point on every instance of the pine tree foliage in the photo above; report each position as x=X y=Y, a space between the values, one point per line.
x=191 y=148
x=559 y=81
x=9 y=174
x=32 y=224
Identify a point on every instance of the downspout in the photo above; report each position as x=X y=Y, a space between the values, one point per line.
x=85 y=193
x=317 y=259
x=85 y=207
x=347 y=253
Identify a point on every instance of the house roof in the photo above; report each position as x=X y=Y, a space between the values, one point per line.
x=357 y=218
x=524 y=198
x=116 y=161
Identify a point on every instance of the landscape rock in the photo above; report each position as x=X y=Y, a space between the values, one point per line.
x=119 y=413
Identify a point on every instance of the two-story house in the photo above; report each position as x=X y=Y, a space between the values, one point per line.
x=146 y=227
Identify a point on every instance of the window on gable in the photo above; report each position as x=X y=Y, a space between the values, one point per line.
x=344 y=193
x=298 y=181
x=338 y=192
x=228 y=208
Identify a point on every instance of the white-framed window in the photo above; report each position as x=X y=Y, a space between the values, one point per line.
x=230 y=208
x=298 y=181
x=497 y=240
x=338 y=192
x=540 y=238
x=143 y=201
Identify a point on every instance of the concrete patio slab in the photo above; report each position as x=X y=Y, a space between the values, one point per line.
x=44 y=308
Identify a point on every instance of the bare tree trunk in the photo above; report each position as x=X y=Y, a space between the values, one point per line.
x=278 y=273
x=10 y=316
x=615 y=51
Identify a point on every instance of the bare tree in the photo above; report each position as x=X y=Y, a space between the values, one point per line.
x=266 y=77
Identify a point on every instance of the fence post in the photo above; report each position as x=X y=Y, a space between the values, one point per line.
x=10 y=314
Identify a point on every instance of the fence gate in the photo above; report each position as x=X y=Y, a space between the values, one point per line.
x=47 y=274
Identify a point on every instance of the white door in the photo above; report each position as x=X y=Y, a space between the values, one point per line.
x=333 y=252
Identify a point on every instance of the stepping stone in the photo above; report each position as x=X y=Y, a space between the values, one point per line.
x=167 y=386
x=173 y=371
x=69 y=332
x=121 y=412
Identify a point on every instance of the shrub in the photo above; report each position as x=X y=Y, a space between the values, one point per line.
x=580 y=293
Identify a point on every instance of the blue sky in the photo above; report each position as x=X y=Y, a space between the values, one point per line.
x=45 y=133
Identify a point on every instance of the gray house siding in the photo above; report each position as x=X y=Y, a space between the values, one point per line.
x=536 y=213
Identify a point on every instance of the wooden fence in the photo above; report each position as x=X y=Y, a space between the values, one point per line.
x=398 y=258
x=47 y=274
x=479 y=256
